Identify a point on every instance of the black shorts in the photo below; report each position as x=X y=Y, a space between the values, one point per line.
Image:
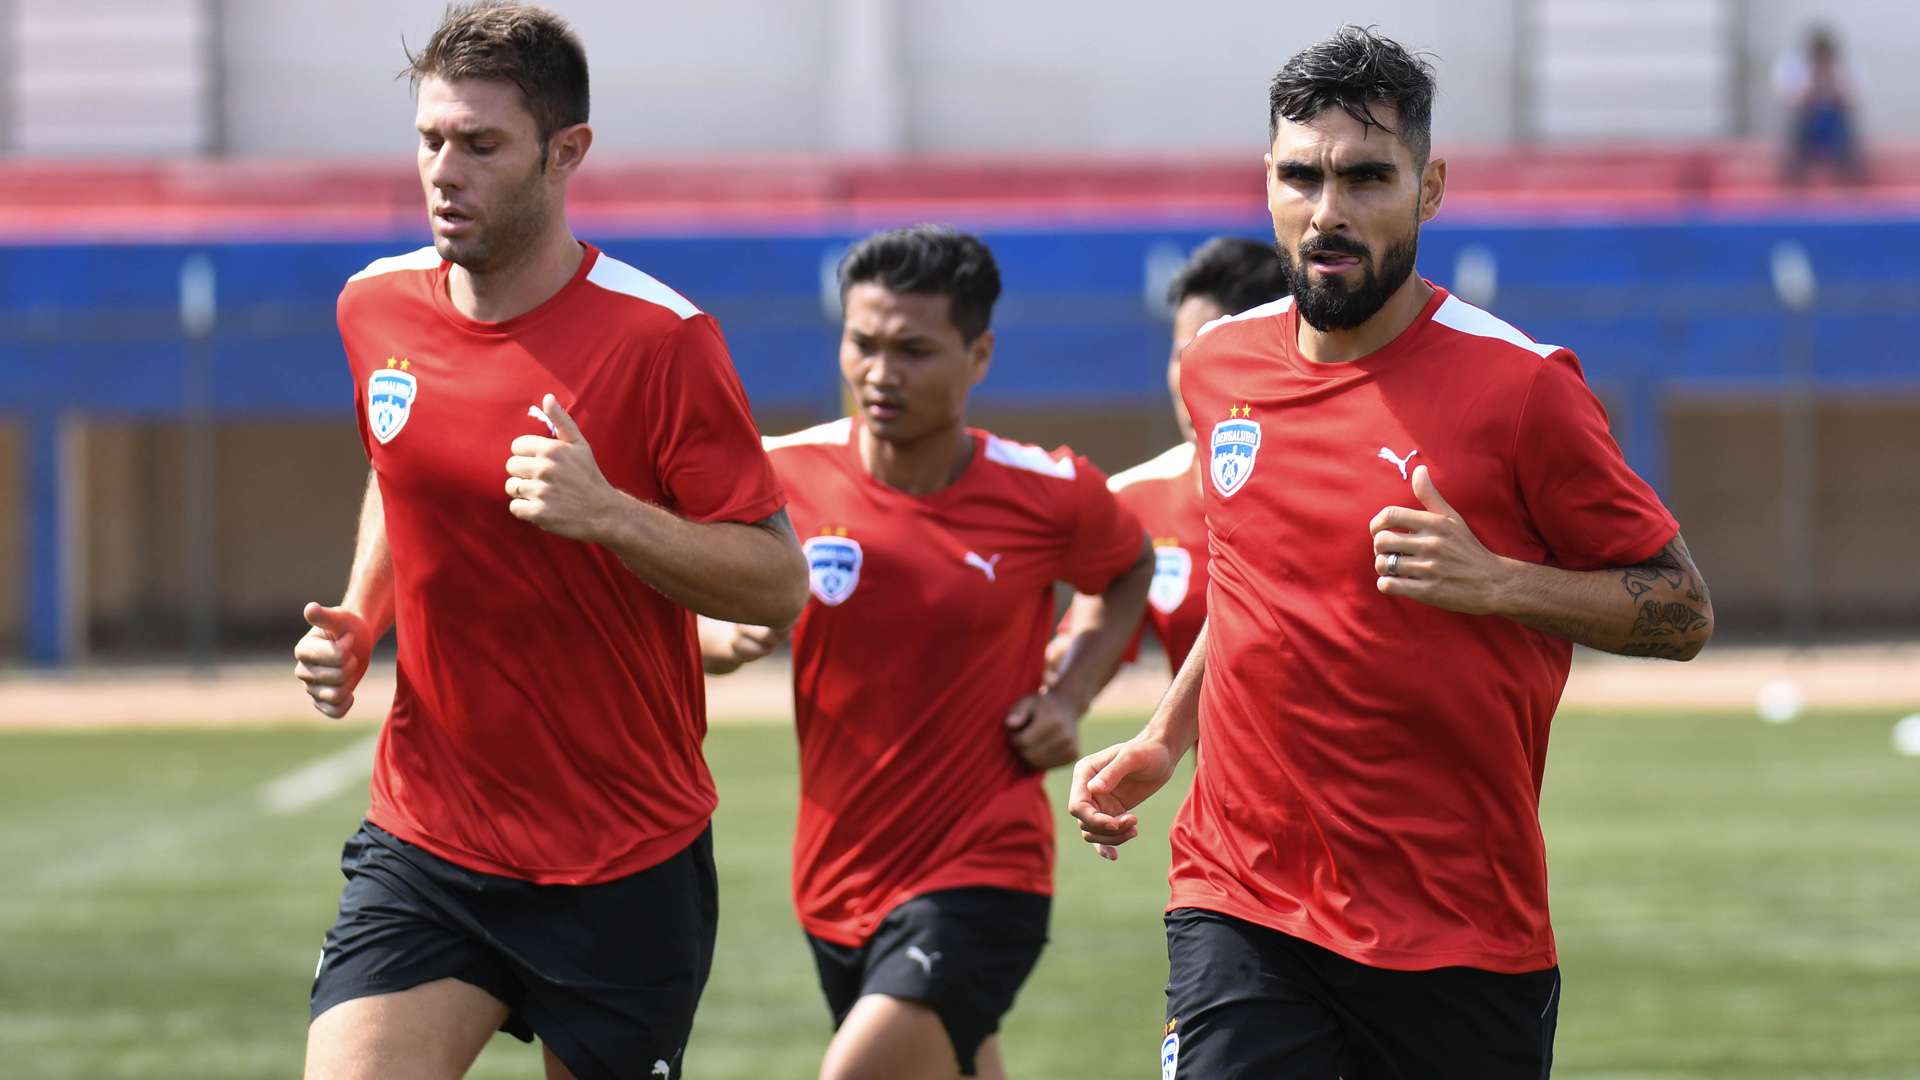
x=961 y=952
x=606 y=975
x=1248 y=1001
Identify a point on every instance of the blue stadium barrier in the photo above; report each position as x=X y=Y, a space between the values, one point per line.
x=1650 y=306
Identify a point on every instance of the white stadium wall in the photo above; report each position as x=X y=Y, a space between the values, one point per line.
x=1134 y=76
x=722 y=75
x=740 y=76
x=746 y=76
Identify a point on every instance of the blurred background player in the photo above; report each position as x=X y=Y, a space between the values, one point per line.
x=923 y=864
x=1227 y=274
x=537 y=857
x=1359 y=885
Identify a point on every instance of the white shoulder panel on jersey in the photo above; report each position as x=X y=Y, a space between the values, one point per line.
x=615 y=276
x=1169 y=465
x=1459 y=315
x=1266 y=310
x=422 y=259
x=833 y=433
x=1029 y=458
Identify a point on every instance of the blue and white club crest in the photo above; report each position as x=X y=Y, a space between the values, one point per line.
x=1169 y=1055
x=390 y=395
x=1172 y=570
x=833 y=567
x=1236 y=443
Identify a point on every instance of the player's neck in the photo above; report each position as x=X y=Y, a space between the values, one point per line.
x=1393 y=318
x=520 y=286
x=921 y=467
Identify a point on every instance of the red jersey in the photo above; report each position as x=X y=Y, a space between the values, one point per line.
x=1372 y=772
x=550 y=706
x=929 y=619
x=1164 y=493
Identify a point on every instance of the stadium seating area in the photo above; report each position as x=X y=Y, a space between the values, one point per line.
x=156 y=200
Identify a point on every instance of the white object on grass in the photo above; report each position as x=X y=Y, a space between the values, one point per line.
x=1779 y=701
x=1906 y=736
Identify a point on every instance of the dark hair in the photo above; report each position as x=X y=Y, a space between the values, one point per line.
x=528 y=46
x=1355 y=70
x=1233 y=272
x=929 y=259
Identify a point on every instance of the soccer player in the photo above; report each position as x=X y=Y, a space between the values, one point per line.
x=564 y=471
x=1414 y=511
x=1227 y=274
x=923 y=861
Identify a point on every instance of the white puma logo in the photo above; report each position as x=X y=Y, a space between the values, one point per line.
x=661 y=1068
x=985 y=566
x=1398 y=461
x=915 y=954
x=537 y=413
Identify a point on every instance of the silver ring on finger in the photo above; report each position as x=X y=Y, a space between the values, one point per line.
x=1393 y=565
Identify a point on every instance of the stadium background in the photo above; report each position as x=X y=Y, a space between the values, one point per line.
x=184 y=184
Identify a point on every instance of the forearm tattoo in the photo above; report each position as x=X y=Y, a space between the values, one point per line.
x=1676 y=609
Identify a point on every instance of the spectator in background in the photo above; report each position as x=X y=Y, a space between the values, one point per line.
x=1819 y=100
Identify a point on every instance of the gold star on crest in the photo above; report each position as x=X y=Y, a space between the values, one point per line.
x=1240 y=412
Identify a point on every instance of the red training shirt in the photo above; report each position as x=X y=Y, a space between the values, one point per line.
x=1164 y=493
x=929 y=619
x=1372 y=772
x=550 y=706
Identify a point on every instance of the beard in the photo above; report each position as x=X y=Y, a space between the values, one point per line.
x=506 y=232
x=1326 y=303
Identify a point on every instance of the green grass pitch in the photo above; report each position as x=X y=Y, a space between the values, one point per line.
x=1732 y=899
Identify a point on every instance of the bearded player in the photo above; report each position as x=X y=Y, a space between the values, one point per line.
x=1414 y=511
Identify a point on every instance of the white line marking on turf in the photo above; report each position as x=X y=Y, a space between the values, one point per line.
x=319 y=780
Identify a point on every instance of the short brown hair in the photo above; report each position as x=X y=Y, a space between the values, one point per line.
x=523 y=44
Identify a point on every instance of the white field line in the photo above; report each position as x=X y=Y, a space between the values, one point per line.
x=319 y=780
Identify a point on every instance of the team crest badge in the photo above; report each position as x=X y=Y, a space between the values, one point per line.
x=833 y=567
x=1169 y=1055
x=1172 y=570
x=1236 y=443
x=390 y=395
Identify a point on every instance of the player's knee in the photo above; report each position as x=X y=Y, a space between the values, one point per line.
x=895 y=1051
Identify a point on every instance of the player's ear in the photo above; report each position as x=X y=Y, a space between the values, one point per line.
x=980 y=354
x=1433 y=188
x=567 y=148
